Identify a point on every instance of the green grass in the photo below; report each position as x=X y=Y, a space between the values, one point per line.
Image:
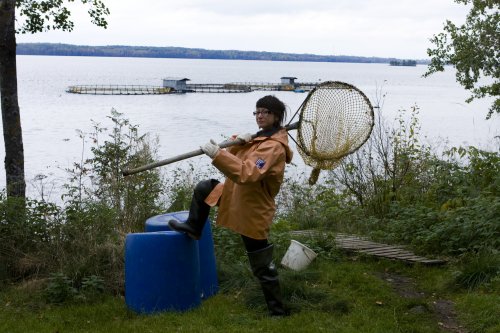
x=481 y=310
x=342 y=295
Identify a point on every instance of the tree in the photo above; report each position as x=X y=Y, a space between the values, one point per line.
x=14 y=153
x=473 y=48
x=37 y=16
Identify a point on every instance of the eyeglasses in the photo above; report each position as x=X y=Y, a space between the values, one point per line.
x=264 y=113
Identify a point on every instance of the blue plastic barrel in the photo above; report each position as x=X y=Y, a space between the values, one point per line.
x=208 y=268
x=162 y=272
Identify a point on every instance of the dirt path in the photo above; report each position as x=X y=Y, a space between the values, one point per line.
x=444 y=310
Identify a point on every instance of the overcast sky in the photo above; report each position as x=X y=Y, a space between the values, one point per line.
x=381 y=28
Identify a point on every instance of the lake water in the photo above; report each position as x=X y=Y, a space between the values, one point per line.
x=50 y=116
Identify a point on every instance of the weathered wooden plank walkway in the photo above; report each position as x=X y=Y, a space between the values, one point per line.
x=355 y=243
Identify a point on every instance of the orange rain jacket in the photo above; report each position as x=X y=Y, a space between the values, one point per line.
x=254 y=174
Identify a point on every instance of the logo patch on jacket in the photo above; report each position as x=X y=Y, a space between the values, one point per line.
x=260 y=163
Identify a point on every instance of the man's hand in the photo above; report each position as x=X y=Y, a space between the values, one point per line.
x=210 y=148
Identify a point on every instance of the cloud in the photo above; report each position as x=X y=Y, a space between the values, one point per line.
x=398 y=28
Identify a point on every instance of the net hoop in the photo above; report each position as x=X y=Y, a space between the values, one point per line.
x=335 y=120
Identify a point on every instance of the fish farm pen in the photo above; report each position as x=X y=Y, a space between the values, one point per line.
x=278 y=86
x=216 y=88
x=119 y=90
x=180 y=86
x=241 y=87
x=151 y=90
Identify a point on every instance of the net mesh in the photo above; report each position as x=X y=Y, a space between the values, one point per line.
x=335 y=120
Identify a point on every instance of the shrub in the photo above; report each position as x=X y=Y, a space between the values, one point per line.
x=392 y=166
x=99 y=178
x=84 y=236
x=400 y=192
x=60 y=289
x=322 y=206
x=477 y=269
x=27 y=228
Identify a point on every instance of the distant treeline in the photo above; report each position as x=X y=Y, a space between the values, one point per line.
x=181 y=52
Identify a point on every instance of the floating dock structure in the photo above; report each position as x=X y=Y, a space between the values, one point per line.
x=180 y=85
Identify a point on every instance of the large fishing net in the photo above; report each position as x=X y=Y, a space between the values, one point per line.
x=335 y=120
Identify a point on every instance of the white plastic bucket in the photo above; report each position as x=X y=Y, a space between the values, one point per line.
x=298 y=256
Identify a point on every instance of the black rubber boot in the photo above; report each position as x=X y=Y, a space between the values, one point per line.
x=192 y=231
x=264 y=269
x=198 y=211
